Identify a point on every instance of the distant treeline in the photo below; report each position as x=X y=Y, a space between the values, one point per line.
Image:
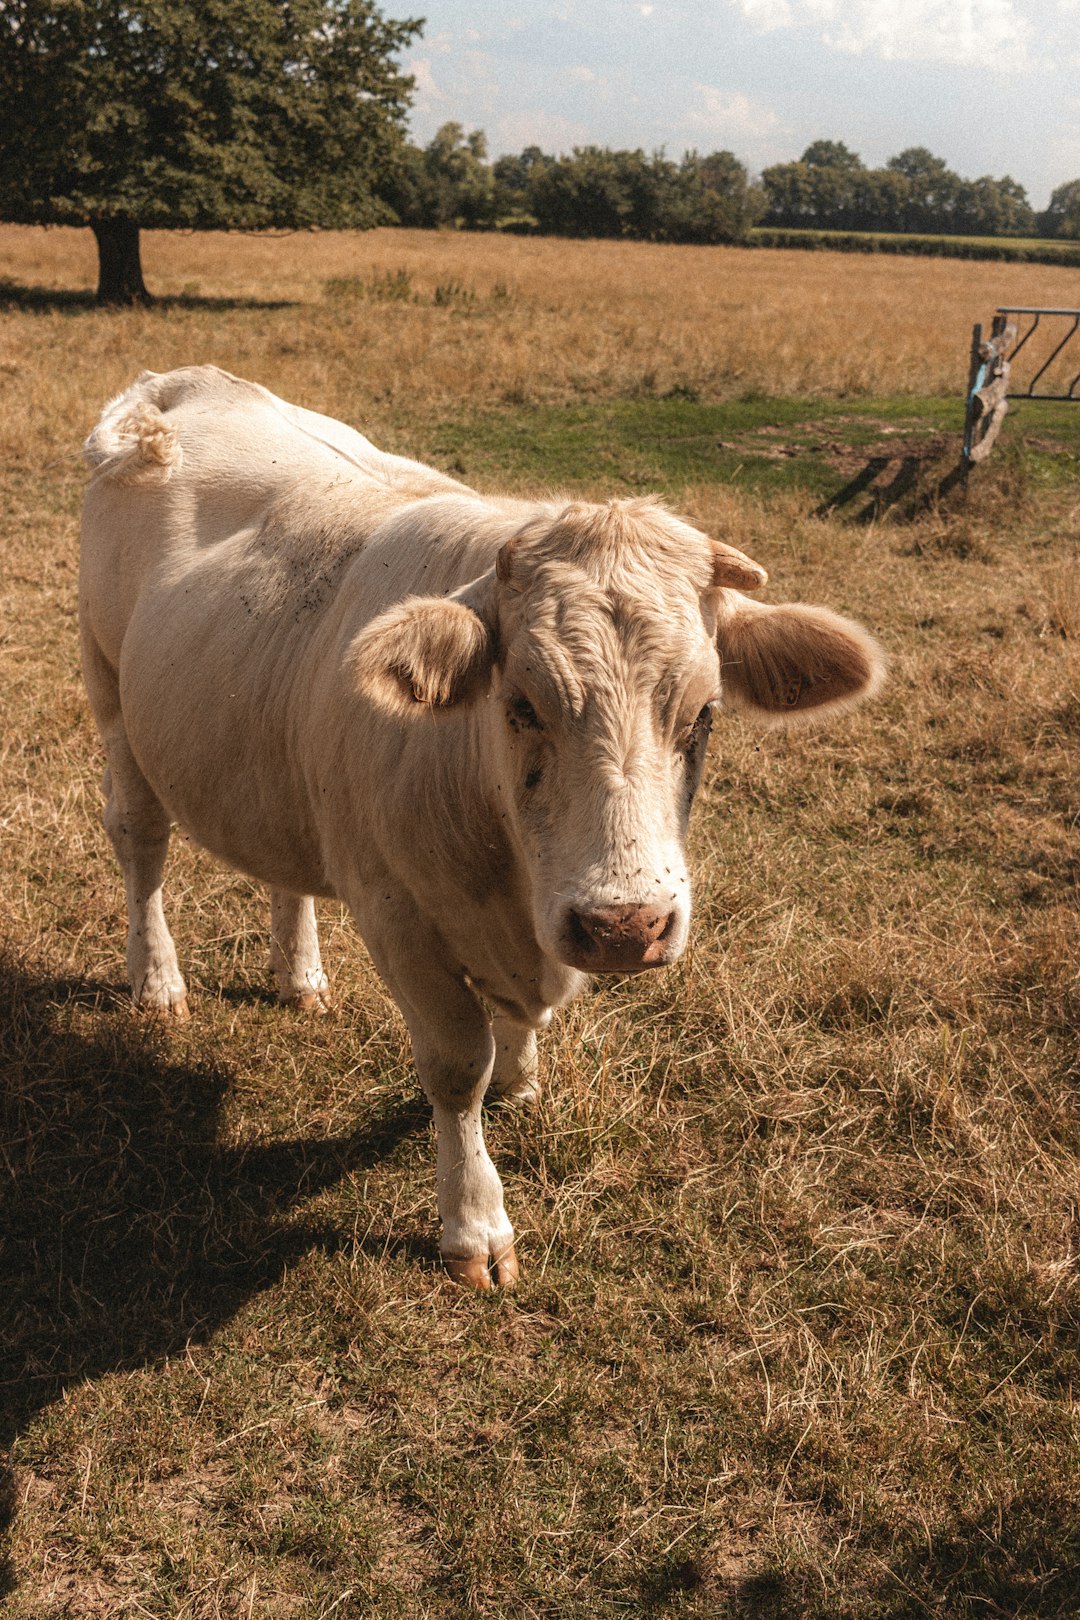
x=830 y=189
x=593 y=192
x=630 y=194
x=1015 y=250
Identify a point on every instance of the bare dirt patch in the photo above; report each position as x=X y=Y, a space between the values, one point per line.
x=845 y=454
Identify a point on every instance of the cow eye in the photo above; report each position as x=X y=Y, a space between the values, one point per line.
x=522 y=715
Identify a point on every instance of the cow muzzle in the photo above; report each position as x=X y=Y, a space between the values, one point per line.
x=620 y=939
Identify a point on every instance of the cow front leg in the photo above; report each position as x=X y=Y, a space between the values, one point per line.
x=476 y=1232
x=294 y=952
x=454 y=1052
x=138 y=828
x=515 y=1076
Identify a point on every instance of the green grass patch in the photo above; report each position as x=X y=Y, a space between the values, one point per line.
x=758 y=444
x=630 y=445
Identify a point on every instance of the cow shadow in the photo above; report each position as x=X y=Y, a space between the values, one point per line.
x=14 y=295
x=129 y=1226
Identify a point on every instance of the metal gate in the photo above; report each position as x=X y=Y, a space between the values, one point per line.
x=992 y=359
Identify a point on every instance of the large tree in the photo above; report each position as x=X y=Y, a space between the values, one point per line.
x=1062 y=218
x=934 y=190
x=212 y=114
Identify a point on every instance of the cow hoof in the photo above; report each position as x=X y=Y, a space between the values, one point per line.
x=474 y=1273
x=177 y=1010
x=310 y=1001
x=521 y=1093
x=471 y=1273
x=507 y=1270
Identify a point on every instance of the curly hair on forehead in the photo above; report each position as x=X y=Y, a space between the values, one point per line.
x=605 y=539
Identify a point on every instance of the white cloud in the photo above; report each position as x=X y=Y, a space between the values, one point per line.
x=729 y=115
x=467 y=89
x=964 y=33
x=426 y=88
x=646 y=11
x=477 y=75
x=767 y=15
x=442 y=43
x=582 y=74
x=1065 y=142
x=519 y=129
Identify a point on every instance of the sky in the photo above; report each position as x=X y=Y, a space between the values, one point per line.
x=991 y=86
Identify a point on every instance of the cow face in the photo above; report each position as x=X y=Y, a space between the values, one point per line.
x=603 y=696
x=596 y=654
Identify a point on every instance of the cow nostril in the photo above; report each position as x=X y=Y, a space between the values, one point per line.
x=579 y=933
x=653 y=926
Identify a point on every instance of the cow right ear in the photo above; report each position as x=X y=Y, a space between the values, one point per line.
x=425 y=655
x=788 y=661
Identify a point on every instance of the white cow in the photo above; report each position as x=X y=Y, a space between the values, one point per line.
x=479 y=723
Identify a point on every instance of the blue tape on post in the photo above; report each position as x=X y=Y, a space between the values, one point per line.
x=980 y=378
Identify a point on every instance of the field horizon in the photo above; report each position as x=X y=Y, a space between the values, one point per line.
x=799 y=1218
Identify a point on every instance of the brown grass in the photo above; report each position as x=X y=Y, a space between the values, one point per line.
x=800 y=1218
x=527 y=320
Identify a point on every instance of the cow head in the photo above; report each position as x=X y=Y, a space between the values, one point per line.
x=596 y=653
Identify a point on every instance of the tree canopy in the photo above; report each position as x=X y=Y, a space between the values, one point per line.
x=601 y=192
x=829 y=189
x=448 y=182
x=213 y=114
x=594 y=191
x=830 y=155
x=1062 y=217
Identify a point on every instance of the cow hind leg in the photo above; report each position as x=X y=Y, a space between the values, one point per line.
x=138 y=828
x=515 y=1076
x=294 y=952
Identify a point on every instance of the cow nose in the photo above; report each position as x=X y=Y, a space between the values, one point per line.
x=620 y=938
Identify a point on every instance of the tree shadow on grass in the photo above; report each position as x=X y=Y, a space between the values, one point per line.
x=15 y=296
x=128 y=1228
x=1018 y=1558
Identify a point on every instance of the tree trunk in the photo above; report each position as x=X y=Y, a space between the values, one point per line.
x=120 y=278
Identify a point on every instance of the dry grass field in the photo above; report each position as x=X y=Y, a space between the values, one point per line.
x=407 y=318
x=800 y=1218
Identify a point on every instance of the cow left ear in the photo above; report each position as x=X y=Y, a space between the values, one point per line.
x=791 y=661
x=426 y=654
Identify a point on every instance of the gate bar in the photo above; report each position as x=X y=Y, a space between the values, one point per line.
x=1027 y=309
